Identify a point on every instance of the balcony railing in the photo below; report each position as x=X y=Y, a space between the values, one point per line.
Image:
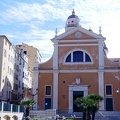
x=7 y=107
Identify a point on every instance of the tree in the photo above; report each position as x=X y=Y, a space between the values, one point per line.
x=89 y=104
x=95 y=106
x=28 y=104
x=85 y=103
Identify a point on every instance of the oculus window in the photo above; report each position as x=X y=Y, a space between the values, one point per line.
x=78 y=57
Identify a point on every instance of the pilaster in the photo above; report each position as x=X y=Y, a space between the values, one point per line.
x=101 y=73
x=55 y=76
x=101 y=54
x=35 y=83
x=55 y=89
x=101 y=88
x=55 y=55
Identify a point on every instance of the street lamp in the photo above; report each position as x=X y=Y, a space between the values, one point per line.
x=117 y=90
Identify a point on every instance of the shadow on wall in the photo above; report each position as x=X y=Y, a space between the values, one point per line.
x=6 y=93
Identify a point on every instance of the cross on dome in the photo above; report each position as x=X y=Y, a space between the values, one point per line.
x=73 y=12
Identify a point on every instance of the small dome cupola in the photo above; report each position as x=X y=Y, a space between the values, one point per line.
x=72 y=21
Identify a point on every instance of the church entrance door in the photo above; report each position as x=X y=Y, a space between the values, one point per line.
x=77 y=94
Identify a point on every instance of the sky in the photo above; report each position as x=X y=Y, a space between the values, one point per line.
x=34 y=21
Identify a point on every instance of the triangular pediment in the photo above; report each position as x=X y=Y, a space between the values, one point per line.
x=78 y=33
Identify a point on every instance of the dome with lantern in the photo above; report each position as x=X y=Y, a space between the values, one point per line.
x=72 y=21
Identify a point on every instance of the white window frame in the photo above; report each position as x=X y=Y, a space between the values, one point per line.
x=50 y=91
x=84 y=51
x=111 y=89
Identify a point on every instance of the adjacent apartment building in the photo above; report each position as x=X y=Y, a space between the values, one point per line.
x=15 y=73
x=79 y=66
x=22 y=74
x=33 y=55
x=7 y=52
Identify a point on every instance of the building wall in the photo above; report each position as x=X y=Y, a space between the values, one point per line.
x=113 y=79
x=66 y=79
x=32 y=54
x=45 y=79
x=23 y=72
x=1 y=60
x=82 y=77
x=63 y=51
x=93 y=76
x=11 y=71
x=7 y=71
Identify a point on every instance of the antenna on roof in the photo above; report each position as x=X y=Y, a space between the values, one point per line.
x=100 y=30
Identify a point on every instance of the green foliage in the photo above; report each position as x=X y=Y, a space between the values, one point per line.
x=28 y=103
x=89 y=104
x=95 y=97
x=84 y=102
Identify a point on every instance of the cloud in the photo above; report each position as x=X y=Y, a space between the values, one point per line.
x=23 y=12
x=26 y=12
x=33 y=34
x=44 y=46
x=36 y=19
x=39 y=39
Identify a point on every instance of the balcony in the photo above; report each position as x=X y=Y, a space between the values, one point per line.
x=10 y=111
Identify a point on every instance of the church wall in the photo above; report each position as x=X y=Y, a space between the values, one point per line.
x=63 y=51
x=47 y=65
x=44 y=80
x=72 y=36
x=113 y=78
x=110 y=64
x=66 y=79
x=94 y=76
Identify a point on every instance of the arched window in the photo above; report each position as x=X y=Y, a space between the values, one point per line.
x=78 y=57
x=68 y=59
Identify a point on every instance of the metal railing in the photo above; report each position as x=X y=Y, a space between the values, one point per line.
x=7 y=107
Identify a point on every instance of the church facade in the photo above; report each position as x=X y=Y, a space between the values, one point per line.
x=79 y=67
